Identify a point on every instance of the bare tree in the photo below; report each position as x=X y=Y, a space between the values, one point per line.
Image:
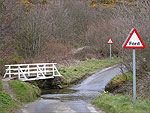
x=31 y=30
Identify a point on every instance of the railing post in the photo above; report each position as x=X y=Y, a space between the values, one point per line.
x=28 y=70
x=18 y=72
x=53 y=70
x=45 y=69
x=37 y=73
x=9 y=72
x=57 y=71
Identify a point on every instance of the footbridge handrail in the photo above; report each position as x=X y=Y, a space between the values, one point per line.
x=36 y=71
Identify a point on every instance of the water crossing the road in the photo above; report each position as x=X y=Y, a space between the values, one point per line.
x=76 y=99
x=88 y=89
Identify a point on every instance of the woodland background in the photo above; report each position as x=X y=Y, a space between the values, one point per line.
x=67 y=31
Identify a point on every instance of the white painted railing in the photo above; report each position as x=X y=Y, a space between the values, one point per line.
x=26 y=72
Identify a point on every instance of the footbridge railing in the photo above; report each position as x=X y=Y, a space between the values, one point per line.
x=27 y=72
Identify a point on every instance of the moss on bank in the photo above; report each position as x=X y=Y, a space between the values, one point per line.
x=121 y=104
x=118 y=80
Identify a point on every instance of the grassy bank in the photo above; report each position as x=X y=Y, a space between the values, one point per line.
x=7 y=104
x=75 y=73
x=120 y=78
x=24 y=91
x=121 y=104
x=123 y=84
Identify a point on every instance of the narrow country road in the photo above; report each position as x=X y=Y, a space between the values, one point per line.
x=76 y=99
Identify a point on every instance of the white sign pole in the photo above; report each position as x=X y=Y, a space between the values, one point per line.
x=134 y=77
x=110 y=54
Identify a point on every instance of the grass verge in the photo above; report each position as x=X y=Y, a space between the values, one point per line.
x=24 y=91
x=121 y=104
x=72 y=74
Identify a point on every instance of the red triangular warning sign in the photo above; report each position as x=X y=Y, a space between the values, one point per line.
x=134 y=41
x=110 y=41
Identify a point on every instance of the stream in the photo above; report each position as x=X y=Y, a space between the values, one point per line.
x=76 y=99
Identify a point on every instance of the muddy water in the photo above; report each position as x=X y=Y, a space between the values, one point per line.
x=76 y=99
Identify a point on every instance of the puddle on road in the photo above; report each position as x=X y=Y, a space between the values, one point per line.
x=59 y=94
x=57 y=91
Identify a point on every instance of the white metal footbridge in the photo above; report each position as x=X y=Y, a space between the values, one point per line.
x=36 y=71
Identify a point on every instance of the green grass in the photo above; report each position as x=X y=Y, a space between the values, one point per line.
x=121 y=104
x=7 y=104
x=24 y=91
x=71 y=74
